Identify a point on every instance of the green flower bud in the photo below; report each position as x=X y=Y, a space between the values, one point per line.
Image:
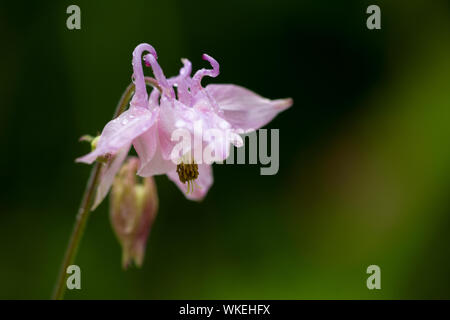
x=92 y=140
x=94 y=143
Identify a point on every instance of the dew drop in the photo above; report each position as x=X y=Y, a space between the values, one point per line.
x=223 y=124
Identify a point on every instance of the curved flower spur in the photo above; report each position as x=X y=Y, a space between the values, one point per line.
x=150 y=122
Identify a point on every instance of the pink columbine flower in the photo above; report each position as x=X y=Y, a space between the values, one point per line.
x=150 y=122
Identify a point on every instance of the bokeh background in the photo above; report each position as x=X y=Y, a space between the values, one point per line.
x=364 y=152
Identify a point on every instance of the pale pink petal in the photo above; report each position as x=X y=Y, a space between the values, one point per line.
x=108 y=172
x=217 y=132
x=174 y=116
x=202 y=126
x=154 y=165
x=243 y=108
x=146 y=144
x=121 y=132
x=201 y=184
x=153 y=100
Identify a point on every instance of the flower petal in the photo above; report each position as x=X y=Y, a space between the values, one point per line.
x=155 y=165
x=121 y=132
x=153 y=100
x=244 y=109
x=173 y=116
x=107 y=175
x=146 y=144
x=202 y=183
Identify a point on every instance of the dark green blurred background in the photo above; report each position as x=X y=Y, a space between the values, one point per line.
x=364 y=152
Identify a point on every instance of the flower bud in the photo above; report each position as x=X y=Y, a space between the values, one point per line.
x=133 y=208
x=92 y=140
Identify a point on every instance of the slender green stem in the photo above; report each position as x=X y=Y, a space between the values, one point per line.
x=85 y=208
x=77 y=232
x=86 y=202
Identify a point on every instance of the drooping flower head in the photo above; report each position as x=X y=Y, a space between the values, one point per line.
x=212 y=118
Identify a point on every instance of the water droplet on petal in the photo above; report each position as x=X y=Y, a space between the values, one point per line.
x=180 y=123
x=223 y=124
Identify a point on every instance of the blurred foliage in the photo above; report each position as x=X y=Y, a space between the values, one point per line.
x=364 y=154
